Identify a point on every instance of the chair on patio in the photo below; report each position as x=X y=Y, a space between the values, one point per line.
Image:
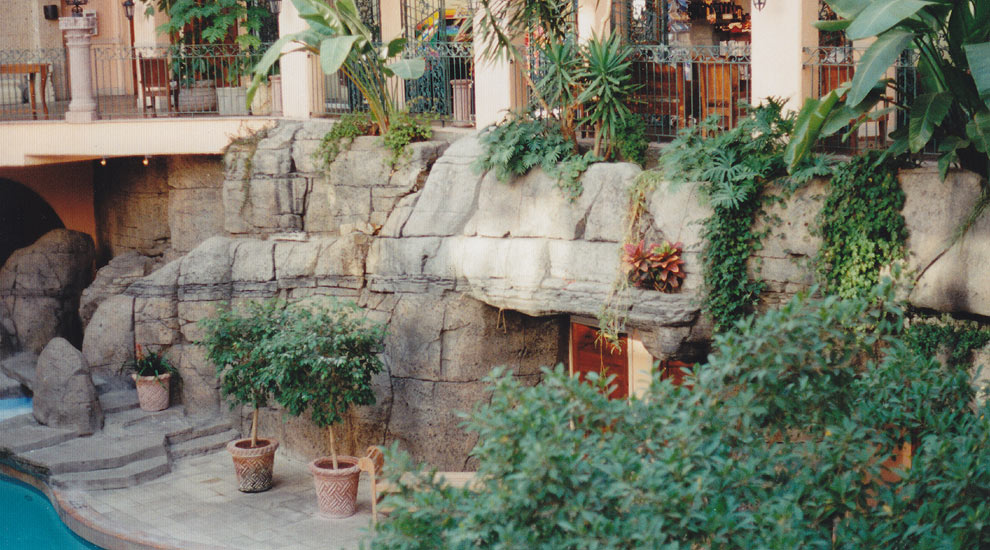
x=372 y=463
x=156 y=81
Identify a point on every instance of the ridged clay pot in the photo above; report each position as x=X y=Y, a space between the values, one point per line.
x=336 y=490
x=253 y=465
x=152 y=391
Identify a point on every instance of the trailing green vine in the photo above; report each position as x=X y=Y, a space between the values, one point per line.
x=403 y=130
x=860 y=224
x=735 y=168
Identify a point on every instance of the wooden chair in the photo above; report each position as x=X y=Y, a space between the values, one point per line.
x=156 y=81
x=661 y=93
x=372 y=463
x=871 y=133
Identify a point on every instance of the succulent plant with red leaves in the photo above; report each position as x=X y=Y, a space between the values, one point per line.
x=656 y=267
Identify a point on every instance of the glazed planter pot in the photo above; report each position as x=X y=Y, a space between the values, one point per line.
x=336 y=490
x=253 y=465
x=152 y=391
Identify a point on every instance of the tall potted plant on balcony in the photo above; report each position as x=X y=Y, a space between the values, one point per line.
x=211 y=50
x=235 y=343
x=324 y=359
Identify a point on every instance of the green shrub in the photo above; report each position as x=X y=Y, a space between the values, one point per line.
x=406 y=129
x=779 y=443
x=515 y=147
x=630 y=140
x=341 y=134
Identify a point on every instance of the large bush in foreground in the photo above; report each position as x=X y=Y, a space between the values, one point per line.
x=782 y=442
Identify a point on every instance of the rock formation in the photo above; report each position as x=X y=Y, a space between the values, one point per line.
x=64 y=394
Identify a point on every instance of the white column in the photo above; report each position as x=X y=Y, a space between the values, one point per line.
x=780 y=33
x=297 y=69
x=495 y=84
x=82 y=107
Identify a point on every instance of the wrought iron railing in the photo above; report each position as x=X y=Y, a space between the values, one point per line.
x=678 y=86
x=176 y=80
x=446 y=89
x=829 y=67
x=45 y=69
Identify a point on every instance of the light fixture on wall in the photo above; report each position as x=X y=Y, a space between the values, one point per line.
x=76 y=6
x=275 y=6
x=759 y=4
x=145 y=161
x=103 y=161
x=129 y=9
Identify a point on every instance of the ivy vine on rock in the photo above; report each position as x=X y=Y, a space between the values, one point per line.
x=860 y=224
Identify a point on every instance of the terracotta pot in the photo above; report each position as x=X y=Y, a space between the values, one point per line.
x=152 y=391
x=253 y=465
x=336 y=490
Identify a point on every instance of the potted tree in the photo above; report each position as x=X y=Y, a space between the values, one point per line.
x=325 y=358
x=152 y=373
x=235 y=344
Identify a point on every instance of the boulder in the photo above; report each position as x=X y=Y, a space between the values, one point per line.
x=111 y=279
x=40 y=288
x=64 y=394
x=109 y=339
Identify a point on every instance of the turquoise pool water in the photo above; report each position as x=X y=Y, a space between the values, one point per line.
x=29 y=522
x=13 y=407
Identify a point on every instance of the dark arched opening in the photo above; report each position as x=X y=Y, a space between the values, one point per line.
x=24 y=217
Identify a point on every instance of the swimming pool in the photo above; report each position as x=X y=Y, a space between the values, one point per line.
x=31 y=523
x=13 y=407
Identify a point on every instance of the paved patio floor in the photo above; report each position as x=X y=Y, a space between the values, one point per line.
x=198 y=505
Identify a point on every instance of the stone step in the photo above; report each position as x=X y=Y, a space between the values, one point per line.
x=140 y=471
x=203 y=445
x=118 y=401
x=23 y=433
x=136 y=419
x=98 y=452
x=199 y=428
x=10 y=387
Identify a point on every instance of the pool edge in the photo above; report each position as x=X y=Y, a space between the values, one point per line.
x=85 y=522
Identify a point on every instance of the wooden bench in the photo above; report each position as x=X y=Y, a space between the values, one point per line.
x=372 y=463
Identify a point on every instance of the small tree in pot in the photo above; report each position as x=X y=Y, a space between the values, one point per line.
x=325 y=358
x=235 y=344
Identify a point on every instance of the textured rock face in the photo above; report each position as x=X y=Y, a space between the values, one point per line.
x=195 y=188
x=131 y=202
x=467 y=272
x=39 y=290
x=64 y=395
x=113 y=279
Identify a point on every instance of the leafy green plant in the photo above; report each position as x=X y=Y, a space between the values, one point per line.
x=406 y=129
x=149 y=363
x=607 y=86
x=952 y=39
x=735 y=167
x=930 y=337
x=860 y=224
x=655 y=267
x=323 y=359
x=211 y=21
x=234 y=344
x=630 y=140
x=344 y=43
x=341 y=134
x=515 y=147
x=781 y=441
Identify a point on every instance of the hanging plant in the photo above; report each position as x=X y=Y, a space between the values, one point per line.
x=654 y=267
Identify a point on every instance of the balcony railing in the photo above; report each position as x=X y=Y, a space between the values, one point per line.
x=445 y=90
x=830 y=67
x=41 y=71
x=177 y=80
x=679 y=86
x=144 y=81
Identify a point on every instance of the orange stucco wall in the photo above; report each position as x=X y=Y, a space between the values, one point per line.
x=67 y=188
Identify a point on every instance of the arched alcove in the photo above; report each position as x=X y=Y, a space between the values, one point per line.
x=24 y=217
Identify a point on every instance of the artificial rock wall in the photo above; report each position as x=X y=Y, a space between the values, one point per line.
x=467 y=272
